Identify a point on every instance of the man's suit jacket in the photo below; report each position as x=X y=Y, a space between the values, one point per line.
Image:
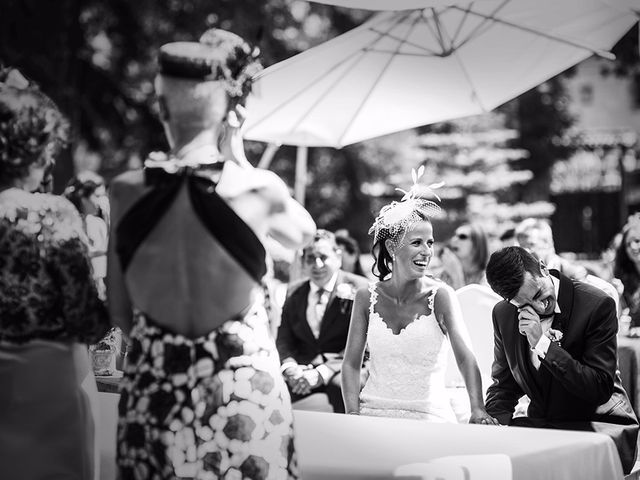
x=295 y=339
x=577 y=386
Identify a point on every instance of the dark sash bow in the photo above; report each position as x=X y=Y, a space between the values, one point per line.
x=166 y=178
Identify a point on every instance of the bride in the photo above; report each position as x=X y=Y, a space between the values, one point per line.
x=407 y=320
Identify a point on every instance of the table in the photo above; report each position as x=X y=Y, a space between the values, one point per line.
x=628 y=362
x=353 y=447
x=349 y=447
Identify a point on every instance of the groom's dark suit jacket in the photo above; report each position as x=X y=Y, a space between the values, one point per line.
x=296 y=341
x=577 y=386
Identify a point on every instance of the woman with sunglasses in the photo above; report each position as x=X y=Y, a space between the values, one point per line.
x=470 y=244
x=49 y=307
x=350 y=253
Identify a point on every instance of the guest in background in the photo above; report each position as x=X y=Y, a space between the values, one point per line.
x=567 y=361
x=49 y=307
x=446 y=266
x=407 y=320
x=471 y=245
x=315 y=323
x=349 y=253
x=627 y=268
x=536 y=236
x=88 y=194
x=202 y=396
x=508 y=237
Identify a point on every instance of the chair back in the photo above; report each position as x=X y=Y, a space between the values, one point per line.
x=606 y=287
x=476 y=302
x=458 y=467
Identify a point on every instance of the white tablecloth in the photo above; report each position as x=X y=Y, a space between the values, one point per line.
x=348 y=447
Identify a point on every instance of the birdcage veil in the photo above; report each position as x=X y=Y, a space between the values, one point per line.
x=396 y=218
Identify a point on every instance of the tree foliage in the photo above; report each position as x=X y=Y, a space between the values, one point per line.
x=96 y=58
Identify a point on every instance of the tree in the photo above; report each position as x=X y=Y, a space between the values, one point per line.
x=96 y=59
x=478 y=160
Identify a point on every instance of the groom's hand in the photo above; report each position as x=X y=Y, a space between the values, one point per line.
x=529 y=324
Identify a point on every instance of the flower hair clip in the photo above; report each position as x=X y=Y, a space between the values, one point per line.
x=240 y=69
x=10 y=77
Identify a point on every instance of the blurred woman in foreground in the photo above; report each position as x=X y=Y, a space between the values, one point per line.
x=49 y=307
x=185 y=279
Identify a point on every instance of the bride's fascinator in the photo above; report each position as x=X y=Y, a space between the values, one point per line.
x=396 y=218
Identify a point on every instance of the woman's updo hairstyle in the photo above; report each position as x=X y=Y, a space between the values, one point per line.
x=82 y=186
x=32 y=129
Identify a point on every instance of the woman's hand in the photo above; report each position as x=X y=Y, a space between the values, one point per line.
x=480 y=416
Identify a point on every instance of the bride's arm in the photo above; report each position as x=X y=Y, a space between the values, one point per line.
x=448 y=312
x=354 y=352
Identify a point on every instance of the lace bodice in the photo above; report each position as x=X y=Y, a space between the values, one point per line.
x=46 y=288
x=406 y=369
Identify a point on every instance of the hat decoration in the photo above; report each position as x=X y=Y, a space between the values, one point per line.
x=398 y=216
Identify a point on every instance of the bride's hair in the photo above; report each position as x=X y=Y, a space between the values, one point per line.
x=383 y=261
x=397 y=217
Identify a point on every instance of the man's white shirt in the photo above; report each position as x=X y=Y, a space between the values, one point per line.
x=541 y=348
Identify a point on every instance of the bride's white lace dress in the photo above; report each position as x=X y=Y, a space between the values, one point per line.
x=406 y=371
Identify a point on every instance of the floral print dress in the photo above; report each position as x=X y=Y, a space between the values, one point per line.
x=211 y=407
x=49 y=311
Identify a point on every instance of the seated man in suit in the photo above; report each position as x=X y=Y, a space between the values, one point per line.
x=555 y=341
x=315 y=322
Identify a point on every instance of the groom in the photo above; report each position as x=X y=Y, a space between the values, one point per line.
x=315 y=322
x=555 y=341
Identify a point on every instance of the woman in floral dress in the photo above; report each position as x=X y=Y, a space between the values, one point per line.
x=49 y=307
x=203 y=396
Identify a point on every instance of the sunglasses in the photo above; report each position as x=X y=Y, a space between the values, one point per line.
x=462 y=236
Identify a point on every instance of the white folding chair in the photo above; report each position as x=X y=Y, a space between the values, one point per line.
x=476 y=302
x=606 y=287
x=468 y=467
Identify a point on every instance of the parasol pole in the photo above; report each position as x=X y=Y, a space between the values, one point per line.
x=267 y=155
x=301 y=173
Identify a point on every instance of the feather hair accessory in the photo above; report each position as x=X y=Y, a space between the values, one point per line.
x=396 y=218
